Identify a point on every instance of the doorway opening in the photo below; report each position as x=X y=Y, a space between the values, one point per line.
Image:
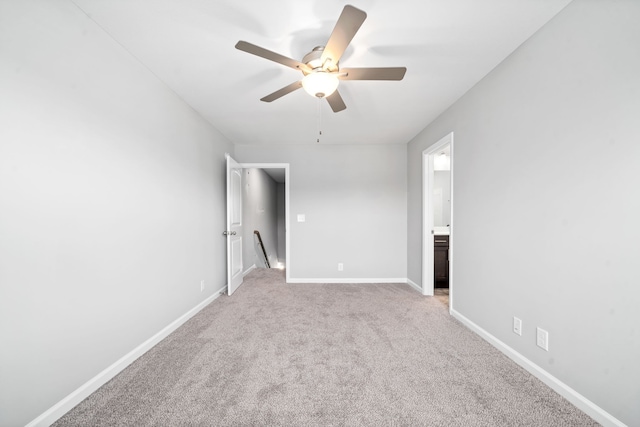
x=437 y=218
x=276 y=241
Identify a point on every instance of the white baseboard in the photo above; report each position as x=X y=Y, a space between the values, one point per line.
x=414 y=285
x=578 y=400
x=65 y=405
x=345 y=280
x=248 y=270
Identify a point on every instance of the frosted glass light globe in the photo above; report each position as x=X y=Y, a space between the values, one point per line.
x=320 y=83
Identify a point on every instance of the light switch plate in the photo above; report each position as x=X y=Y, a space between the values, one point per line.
x=517 y=326
x=301 y=218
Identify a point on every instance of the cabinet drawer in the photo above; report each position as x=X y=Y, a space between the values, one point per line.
x=441 y=240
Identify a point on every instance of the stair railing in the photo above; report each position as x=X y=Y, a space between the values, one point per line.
x=266 y=259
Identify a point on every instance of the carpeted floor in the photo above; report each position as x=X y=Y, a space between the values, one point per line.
x=323 y=355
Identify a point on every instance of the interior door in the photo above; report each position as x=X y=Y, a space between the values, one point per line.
x=234 y=225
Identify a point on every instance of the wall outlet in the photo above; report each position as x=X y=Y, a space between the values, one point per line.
x=201 y=285
x=542 y=339
x=340 y=266
x=517 y=326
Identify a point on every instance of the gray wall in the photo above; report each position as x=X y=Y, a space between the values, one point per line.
x=111 y=205
x=354 y=198
x=550 y=139
x=259 y=212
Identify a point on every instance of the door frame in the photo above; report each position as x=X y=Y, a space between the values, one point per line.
x=428 y=156
x=287 y=179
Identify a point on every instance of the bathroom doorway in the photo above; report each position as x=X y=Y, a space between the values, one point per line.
x=437 y=214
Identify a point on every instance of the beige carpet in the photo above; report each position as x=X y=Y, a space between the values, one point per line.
x=324 y=355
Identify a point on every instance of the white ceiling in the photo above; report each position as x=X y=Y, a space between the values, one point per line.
x=446 y=45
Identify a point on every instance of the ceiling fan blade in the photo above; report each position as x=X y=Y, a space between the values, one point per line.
x=391 y=73
x=347 y=26
x=271 y=56
x=336 y=102
x=282 y=92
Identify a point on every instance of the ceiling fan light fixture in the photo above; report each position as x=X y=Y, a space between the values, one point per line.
x=320 y=67
x=320 y=84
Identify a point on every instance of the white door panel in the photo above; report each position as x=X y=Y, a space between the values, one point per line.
x=234 y=225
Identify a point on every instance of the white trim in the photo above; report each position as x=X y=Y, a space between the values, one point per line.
x=248 y=270
x=414 y=285
x=427 y=217
x=345 y=280
x=287 y=180
x=578 y=400
x=52 y=414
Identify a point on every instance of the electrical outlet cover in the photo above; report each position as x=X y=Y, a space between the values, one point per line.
x=542 y=339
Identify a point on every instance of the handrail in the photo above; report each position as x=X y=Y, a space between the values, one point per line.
x=266 y=259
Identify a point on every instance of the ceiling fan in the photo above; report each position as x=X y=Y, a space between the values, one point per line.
x=320 y=67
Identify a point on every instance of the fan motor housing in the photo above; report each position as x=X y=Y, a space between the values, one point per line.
x=314 y=60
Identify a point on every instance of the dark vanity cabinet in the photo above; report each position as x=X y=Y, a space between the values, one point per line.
x=441 y=261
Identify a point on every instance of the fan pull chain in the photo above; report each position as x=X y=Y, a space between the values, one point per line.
x=319 y=120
